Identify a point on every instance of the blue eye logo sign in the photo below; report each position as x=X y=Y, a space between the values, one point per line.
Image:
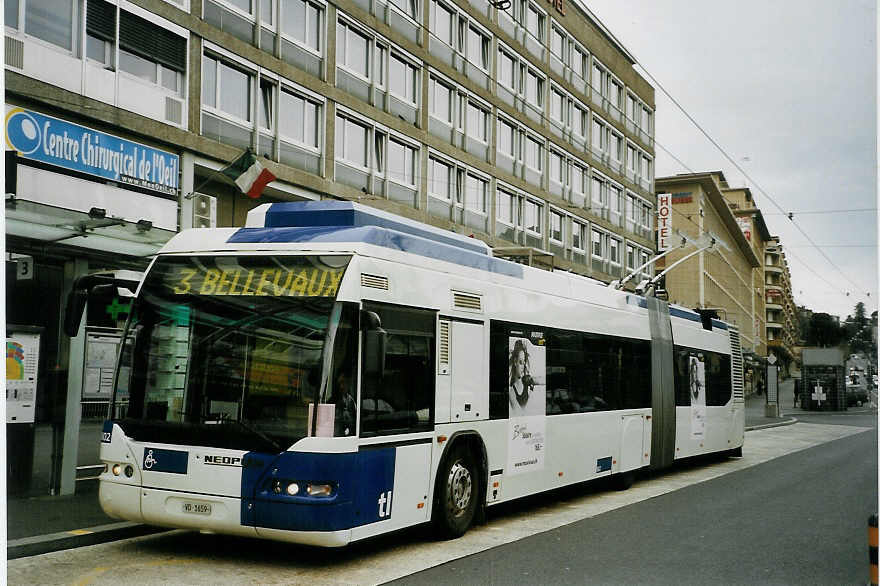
x=63 y=144
x=22 y=132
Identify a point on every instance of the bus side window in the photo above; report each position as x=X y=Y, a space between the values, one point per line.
x=402 y=400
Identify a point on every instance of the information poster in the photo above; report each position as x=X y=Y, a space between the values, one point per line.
x=697 y=370
x=101 y=349
x=528 y=403
x=22 y=361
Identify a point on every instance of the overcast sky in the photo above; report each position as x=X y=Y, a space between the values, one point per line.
x=788 y=89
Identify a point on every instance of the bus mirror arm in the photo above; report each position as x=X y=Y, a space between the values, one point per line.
x=79 y=294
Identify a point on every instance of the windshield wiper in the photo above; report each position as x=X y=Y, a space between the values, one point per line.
x=224 y=418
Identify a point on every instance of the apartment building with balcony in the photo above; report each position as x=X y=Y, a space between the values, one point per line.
x=751 y=222
x=782 y=314
x=526 y=127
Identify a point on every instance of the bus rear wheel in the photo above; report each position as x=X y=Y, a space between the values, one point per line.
x=458 y=494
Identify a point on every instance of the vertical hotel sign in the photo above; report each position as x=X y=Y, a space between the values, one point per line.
x=664 y=221
x=52 y=141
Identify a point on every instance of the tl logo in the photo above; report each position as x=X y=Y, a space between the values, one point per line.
x=384 y=504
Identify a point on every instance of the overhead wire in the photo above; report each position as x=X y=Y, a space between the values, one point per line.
x=747 y=176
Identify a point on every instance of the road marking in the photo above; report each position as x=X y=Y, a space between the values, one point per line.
x=375 y=565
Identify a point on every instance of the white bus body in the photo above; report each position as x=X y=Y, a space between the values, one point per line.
x=438 y=430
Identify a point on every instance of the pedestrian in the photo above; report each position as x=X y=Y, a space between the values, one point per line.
x=797 y=392
x=760 y=387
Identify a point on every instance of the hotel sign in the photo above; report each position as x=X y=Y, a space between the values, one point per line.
x=77 y=148
x=664 y=221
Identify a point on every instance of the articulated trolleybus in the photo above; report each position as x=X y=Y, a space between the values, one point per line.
x=331 y=372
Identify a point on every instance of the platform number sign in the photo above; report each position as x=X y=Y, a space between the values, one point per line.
x=24 y=270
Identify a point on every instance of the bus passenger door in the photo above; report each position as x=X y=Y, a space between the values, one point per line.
x=632 y=442
x=469 y=399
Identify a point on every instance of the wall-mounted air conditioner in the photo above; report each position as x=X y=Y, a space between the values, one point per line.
x=204 y=211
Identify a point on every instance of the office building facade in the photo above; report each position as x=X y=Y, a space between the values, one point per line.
x=526 y=127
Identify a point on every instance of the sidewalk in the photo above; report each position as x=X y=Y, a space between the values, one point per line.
x=40 y=523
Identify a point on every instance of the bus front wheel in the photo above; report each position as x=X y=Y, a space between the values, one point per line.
x=458 y=493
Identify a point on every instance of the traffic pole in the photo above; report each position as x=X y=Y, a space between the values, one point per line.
x=872 y=547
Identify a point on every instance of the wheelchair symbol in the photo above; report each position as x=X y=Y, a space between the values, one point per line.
x=149 y=460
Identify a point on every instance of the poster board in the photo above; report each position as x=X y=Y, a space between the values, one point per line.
x=22 y=365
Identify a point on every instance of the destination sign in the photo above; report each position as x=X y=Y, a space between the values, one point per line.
x=273 y=281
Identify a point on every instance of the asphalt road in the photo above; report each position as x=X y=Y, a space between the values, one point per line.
x=798 y=519
x=794 y=509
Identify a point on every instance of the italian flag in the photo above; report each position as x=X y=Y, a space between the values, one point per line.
x=248 y=174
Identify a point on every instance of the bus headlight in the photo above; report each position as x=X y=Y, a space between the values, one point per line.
x=129 y=471
x=292 y=488
x=117 y=468
x=319 y=489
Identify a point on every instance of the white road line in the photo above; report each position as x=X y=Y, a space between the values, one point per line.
x=374 y=567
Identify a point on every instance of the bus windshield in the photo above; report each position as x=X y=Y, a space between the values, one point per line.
x=236 y=351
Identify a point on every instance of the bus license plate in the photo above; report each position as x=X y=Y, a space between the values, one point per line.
x=197 y=508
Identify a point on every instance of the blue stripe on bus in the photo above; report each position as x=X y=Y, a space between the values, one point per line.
x=363 y=484
x=384 y=237
x=676 y=312
x=303 y=214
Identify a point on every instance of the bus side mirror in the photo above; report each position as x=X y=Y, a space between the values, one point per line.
x=375 y=339
x=73 y=311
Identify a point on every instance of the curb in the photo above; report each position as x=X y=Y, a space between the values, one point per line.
x=769 y=425
x=39 y=544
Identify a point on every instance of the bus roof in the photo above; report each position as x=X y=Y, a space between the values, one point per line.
x=324 y=225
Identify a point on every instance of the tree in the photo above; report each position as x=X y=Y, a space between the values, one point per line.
x=823 y=330
x=858 y=332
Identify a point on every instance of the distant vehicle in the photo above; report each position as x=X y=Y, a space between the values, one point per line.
x=856 y=389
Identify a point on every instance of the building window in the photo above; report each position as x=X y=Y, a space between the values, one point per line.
x=52 y=21
x=557 y=220
x=477 y=47
x=407 y=7
x=442 y=22
x=352 y=144
x=147 y=51
x=301 y=22
x=352 y=50
x=455 y=29
x=536 y=22
x=559 y=44
x=533 y=216
x=506 y=138
x=597 y=78
x=440 y=179
x=578 y=236
x=440 y=100
x=477 y=122
x=534 y=89
x=557 y=166
x=534 y=155
x=459 y=192
x=597 y=246
x=580 y=60
x=599 y=136
x=402 y=78
x=507 y=70
x=100 y=32
x=226 y=88
x=401 y=162
x=298 y=119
